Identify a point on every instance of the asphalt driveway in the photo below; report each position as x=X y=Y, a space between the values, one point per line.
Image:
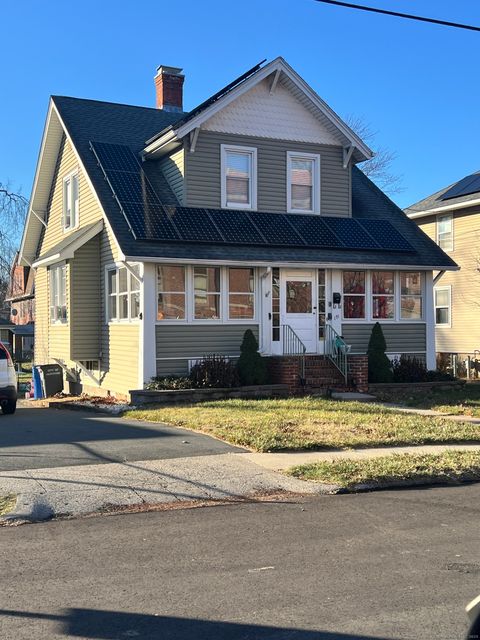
x=37 y=438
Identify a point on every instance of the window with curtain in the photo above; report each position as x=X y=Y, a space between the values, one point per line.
x=303 y=180
x=353 y=294
x=239 y=177
x=171 y=303
x=241 y=293
x=383 y=295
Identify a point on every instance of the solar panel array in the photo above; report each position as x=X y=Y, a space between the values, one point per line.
x=149 y=219
x=465 y=187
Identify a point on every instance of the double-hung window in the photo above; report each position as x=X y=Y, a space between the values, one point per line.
x=443 y=306
x=353 y=294
x=241 y=289
x=123 y=293
x=303 y=182
x=58 y=294
x=239 y=177
x=206 y=283
x=171 y=302
x=411 y=296
x=383 y=295
x=70 y=201
x=445 y=232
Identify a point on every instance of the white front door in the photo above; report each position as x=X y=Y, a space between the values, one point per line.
x=298 y=306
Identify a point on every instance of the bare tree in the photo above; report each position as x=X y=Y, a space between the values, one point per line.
x=379 y=168
x=13 y=209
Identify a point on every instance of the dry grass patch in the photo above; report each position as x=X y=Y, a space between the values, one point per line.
x=422 y=468
x=308 y=423
x=7 y=503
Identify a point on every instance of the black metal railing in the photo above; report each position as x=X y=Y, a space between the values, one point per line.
x=293 y=346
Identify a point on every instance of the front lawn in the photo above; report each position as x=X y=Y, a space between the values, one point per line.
x=427 y=468
x=464 y=400
x=308 y=423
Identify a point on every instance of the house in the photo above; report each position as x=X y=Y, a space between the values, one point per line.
x=21 y=297
x=158 y=236
x=6 y=336
x=451 y=218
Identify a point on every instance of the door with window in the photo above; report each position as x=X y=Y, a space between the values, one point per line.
x=298 y=302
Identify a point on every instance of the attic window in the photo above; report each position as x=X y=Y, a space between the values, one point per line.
x=70 y=201
x=239 y=177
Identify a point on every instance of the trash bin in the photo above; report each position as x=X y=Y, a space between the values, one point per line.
x=37 y=383
x=51 y=376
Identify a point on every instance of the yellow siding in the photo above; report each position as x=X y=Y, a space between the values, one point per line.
x=119 y=344
x=464 y=335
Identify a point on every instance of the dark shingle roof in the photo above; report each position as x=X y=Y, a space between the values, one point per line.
x=436 y=200
x=89 y=120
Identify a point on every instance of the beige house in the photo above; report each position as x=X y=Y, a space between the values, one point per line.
x=451 y=217
x=158 y=236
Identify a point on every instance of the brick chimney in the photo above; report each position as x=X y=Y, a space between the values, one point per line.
x=169 y=88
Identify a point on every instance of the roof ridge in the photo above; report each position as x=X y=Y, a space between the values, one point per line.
x=118 y=104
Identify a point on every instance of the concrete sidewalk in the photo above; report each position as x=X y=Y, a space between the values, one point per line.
x=46 y=493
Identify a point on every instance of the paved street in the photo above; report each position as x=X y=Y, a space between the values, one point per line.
x=37 y=438
x=381 y=565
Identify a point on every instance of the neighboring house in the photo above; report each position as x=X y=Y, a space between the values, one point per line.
x=159 y=236
x=21 y=297
x=6 y=336
x=451 y=217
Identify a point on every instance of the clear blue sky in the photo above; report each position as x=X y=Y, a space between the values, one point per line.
x=417 y=84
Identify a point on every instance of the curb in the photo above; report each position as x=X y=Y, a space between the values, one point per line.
x=74 y=406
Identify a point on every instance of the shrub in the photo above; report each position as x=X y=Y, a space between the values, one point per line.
x=379 y=366
x=214 y=371
x=409 y=369
x=439 y=376
x=169 y=382
x=252 y=368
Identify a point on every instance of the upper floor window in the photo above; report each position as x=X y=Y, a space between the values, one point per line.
x=239 y=177
x=443 y=306
x=123 y=293
x=303 y=182
x=70 y=201
x=445 y=232
x=58 y=294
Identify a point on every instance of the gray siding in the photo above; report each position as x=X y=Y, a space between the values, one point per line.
x=85 y=302
x=202 y=173
x=400 y=337
x=173 y=170
x=194 y=341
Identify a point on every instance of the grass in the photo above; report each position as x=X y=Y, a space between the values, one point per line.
x=7 y=503
x=442 y=467
x=308 y=423
x=464 y=400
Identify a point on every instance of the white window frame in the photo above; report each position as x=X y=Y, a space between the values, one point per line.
x=446 y=217
x=129 y=293
x=448 y=306
x=184 y=293
x=294 y=155
x=241 y=293
x=55 y=273
x=252 y=151
x=69 y=178
x=224 y=298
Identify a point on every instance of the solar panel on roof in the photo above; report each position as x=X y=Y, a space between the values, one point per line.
x=468 y=185
x=386 y=235
x=115 y=157
x=236 y=227
x=351 y=234
x=132 y=187
x=313 y=230
x=193 y=224
x=276 y=229
x=149 y=222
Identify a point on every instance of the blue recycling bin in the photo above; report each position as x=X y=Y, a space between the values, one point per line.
x=37 y=383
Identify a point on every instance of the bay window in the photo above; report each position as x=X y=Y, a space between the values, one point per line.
x=354 y=294
x=383 y=295
x=206 y=283
x=123 y=293
x=241 y=288
x=239 y=177
x=58 y=294
x=303 y=182
x=411 y=297
x=171 y=292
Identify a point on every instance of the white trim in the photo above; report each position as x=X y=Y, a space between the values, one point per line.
x=252 y=153
x=448 y=306
x=129 y=319
x=316 y=194
x=278 y=64
x=449 y=207
x=75 y=173
x=69 y=251
x=447 y=216
x=431 y=357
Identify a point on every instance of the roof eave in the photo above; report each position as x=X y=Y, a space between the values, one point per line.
x=450 y=207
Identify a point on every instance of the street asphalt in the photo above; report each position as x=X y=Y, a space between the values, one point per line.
x=39 y=438
x=392 y=565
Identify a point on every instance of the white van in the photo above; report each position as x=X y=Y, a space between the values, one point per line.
x=8 y=381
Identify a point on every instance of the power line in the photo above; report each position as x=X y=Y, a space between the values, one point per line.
x=409 y=16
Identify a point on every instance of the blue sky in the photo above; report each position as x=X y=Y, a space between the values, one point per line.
x=416 y=84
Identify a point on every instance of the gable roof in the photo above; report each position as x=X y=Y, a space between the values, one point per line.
x=440 y=201
x=84 y=121
x=280 y=71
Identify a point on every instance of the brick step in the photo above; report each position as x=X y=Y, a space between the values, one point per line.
x=323 y=379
